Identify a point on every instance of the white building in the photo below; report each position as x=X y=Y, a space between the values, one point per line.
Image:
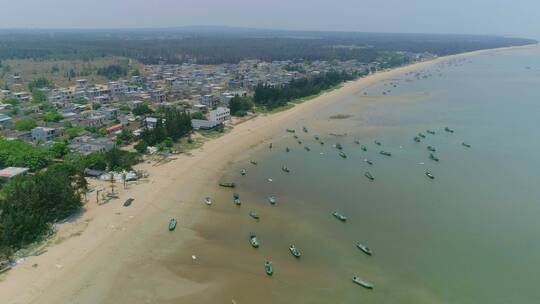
x=43 y=134
x=220 y=114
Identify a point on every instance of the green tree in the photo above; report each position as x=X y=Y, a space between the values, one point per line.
x=25 y=124
x=198 y=115
x=38 y=96
x=52 y=117
x=141 y=147
x=141 y=109
x=39 y=83
x=11 y=101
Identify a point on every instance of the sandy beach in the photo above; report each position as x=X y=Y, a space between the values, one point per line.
x=91 y=254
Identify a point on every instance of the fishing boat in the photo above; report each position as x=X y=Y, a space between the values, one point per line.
x=208 y=201
x=254 y=215
x=243 y=172
x=294 y=251
x=287 y=149
x=236 y=199
x=431 y=132
x=368 y=161
x=378 y=143
x=466 y=145
x=385 y=153
x=128 y=202
x=339 y=216
x=253 y=162
x=364 y=248
x=307 y=148
x=305 y=129
x=339 y=146
x=431 y=148
x=4 y=266
x=291 y=130
x=227 y=184
x=272 y=200
x=295 y=136
x=316 y=137
x=364 y=148
x=421 y=135
x=357 y=142
x=428 y=174
x=268 y=268
x=270 y=146
x=447 y=129
x=364 y=284
x=342 y=154
x=299 y=142
x=285 y=169
x=369 y=176
x=321 y=142
x=172 y=224
x=433 y=157
x=253 y=240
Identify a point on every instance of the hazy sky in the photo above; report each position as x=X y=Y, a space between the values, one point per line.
x=505 y=17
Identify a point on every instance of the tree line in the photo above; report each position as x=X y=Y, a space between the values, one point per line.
x=272 y=96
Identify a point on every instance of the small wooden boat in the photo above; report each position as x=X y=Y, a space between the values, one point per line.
x=417 y=139
x=172 y=224
x=291 y=130
x=368 y=161
x=339 y=146
x=253 y=162
x=294 y=251
x=466 y=145
x=342 y=154
x=236 y=199
x=128 y=202
x=299 y=142
x=431 y=148
x=433 y=157
x=227 y=184
x=357 y=142
x=339 y=216
x=254 y=215
x=287 y=149
x=268 y=268
x=385 y=153
x=364 y=248
x=421 y=135
x=295 y=136
x=270 y=146
x=305 y=129
x=307 y=148
x=243 y=172
x=364 y=148
x=369 y=176
x=447 y=129
x=253 y=240
x=4 y=266
x=208 y=201
x=321 y=142
x=285 y=169
x=272 y=200
x=431 y=132
x=364 y=284
x=378 y=143
x=316 y=137
x=428 y=174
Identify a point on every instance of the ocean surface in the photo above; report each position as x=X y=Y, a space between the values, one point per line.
x=471 y=235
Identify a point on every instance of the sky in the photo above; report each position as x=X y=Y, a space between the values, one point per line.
x=501 y=17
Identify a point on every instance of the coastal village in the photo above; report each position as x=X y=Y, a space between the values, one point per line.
x=91 y=116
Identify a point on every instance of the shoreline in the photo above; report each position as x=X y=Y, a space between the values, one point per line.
x=91 y=250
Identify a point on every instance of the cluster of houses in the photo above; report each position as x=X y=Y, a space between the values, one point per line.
x=109 y=107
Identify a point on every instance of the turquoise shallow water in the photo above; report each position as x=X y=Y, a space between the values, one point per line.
x=468 y=236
